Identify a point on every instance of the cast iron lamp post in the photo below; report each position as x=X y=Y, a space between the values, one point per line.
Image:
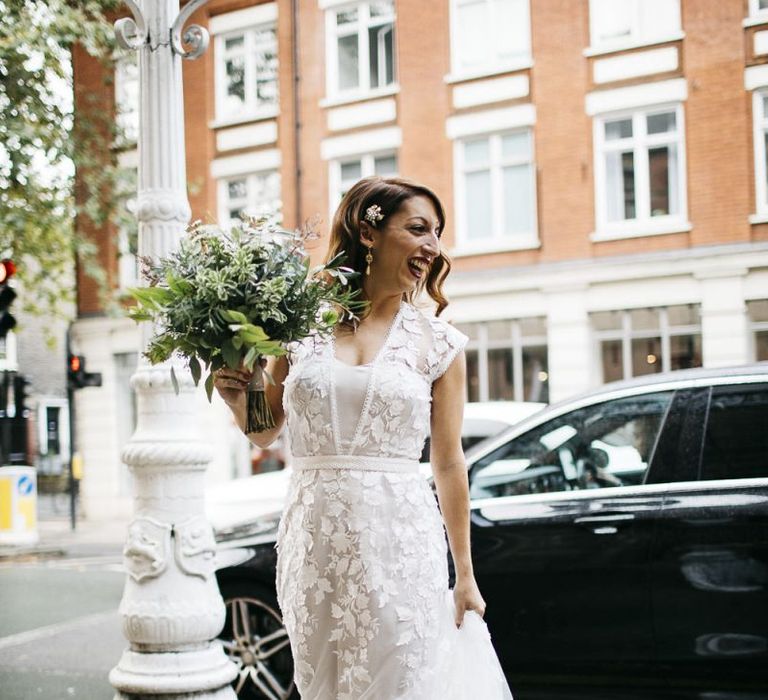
x=171 y=609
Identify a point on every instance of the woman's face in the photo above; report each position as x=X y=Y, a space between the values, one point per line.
x=405 y=247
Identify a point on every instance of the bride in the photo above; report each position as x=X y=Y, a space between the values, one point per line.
x=362 y=572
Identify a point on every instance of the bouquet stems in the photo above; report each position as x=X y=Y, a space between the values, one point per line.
x=258 y=414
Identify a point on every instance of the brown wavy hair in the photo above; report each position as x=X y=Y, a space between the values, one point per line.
x=388 y=193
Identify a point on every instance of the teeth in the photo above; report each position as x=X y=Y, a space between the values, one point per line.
x=419 y=264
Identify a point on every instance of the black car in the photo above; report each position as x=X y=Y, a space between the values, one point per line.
x=620 y=540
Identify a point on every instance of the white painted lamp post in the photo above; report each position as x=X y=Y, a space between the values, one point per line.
x=171 y=609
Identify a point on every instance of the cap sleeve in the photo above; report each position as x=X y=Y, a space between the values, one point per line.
x=447 y=342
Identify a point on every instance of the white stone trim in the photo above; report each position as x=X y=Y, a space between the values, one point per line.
x=461 y=77
x=755 y=76
x=327 y=4
x=645 y=95
x=760 y=43
x=634 y=65
x=603 y=50
x=491 y=120
x=389 y=138
x=255 y=161
x=362 y=114
x=509 y=87
x=259 y=134
x=239 y=19
x=640 y=230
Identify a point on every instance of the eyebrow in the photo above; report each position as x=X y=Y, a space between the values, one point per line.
x=421 y=218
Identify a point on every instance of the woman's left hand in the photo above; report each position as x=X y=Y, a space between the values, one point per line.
x=466 y=596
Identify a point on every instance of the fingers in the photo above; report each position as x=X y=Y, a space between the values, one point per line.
x=232 y=379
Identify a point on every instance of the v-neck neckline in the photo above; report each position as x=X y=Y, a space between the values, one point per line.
x=369 y=387
x=381 y=350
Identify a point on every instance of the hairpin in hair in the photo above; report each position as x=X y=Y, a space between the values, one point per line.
x=373 y=214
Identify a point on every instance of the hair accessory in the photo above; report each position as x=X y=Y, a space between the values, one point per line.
x=369 y=260
x=373 y=214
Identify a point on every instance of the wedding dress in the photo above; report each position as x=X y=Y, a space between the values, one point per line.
x=362 y=574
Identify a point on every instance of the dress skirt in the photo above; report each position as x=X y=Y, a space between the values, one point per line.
x=362 y=583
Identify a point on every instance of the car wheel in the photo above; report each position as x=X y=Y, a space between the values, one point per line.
x=255 y=639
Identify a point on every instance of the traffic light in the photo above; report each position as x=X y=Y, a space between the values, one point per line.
x=77 y=377
x=7 y=295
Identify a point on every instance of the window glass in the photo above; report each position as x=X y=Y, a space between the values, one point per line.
x=613 y=362
x=685 y=351
x=608 y=444
x=385 y=165
x=501 y=375
x=659 y=171
x=499 y=330
x=535 y=373
x=518 y=199
x=348 y=62
x=644 y=319
x=660 y=123
x=473 y=376
x=684 y=315
x=620 y=185
x=618 y=129
x=736 y=439
x=346 y=17
x=516 y=145
x=479 y=212
x=761 y=346
x=476 y=153
x=606 y=320
x=533 y=327
x=646 y=356
x=351 y=170
x=611 y=19
x=381 y=56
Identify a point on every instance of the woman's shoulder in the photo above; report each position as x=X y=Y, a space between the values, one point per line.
x=440 y=328
x=446 y=341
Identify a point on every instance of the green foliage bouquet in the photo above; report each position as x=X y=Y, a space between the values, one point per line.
x=236 y=295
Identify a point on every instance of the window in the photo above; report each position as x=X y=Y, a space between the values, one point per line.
x=255 y=194
x=489 y=35
x=639 y=171
x=736 y=442
x=758 y=8
x=647 y=341
x=347 y=171
x=618 y=23
x=361 y=47
x=760 y=116
x=507 y=360
x=604 y=445
x=497 y=190
x=246 y=72
x=127 y=97
x=758 y=316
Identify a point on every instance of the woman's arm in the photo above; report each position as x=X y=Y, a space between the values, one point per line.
x=232 y=385
x=450 y=472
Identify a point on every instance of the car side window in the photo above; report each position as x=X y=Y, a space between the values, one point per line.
x=736 y=437
x=605 y=444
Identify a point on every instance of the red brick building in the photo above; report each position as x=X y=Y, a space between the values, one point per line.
x=602 y=164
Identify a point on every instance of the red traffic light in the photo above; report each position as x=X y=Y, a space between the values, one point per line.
x=74 y=363
x=7 y=270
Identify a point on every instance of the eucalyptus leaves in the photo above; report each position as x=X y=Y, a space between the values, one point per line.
x=231 y=296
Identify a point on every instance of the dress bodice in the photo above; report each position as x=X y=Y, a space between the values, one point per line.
x=381 y=409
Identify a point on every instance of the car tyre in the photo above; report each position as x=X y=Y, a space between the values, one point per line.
x=255 y=639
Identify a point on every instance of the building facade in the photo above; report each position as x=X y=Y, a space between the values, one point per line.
x=602 y=165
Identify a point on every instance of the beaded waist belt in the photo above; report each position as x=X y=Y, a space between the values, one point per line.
x=377 y=464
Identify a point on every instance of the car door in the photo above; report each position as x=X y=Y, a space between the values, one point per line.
x=710 y=571
x=561 y=531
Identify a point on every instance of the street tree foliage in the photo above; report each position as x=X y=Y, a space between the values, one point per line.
x=43 y=143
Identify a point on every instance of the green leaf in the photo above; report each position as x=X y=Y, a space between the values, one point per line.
x=209 y=386
x=174 y=381
x=250 y=358
x=231 y=354
x=234 y=316
x=237 y=341
x=194 y=367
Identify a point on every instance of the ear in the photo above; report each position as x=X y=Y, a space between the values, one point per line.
x=367 y=234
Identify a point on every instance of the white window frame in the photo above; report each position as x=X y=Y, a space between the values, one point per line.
x=498 y=241
x=494 y=66
x=759 y=131
x=755 y=13
x=364 y=88
x=643 y=224
x=367 y=168
x=626 y=335
x=755 y=327
x=252 y=109
x=638 y=36
x=252 y=202
x=517 y=342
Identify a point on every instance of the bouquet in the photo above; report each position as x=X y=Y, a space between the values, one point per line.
x=233 y=296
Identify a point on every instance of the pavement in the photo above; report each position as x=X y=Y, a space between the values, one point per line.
x=58 y=539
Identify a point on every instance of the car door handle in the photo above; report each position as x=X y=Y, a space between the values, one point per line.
x=607 y=518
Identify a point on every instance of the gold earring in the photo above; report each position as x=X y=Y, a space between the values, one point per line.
x=369 y=260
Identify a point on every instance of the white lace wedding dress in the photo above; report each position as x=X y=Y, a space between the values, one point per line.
x=362 y=575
